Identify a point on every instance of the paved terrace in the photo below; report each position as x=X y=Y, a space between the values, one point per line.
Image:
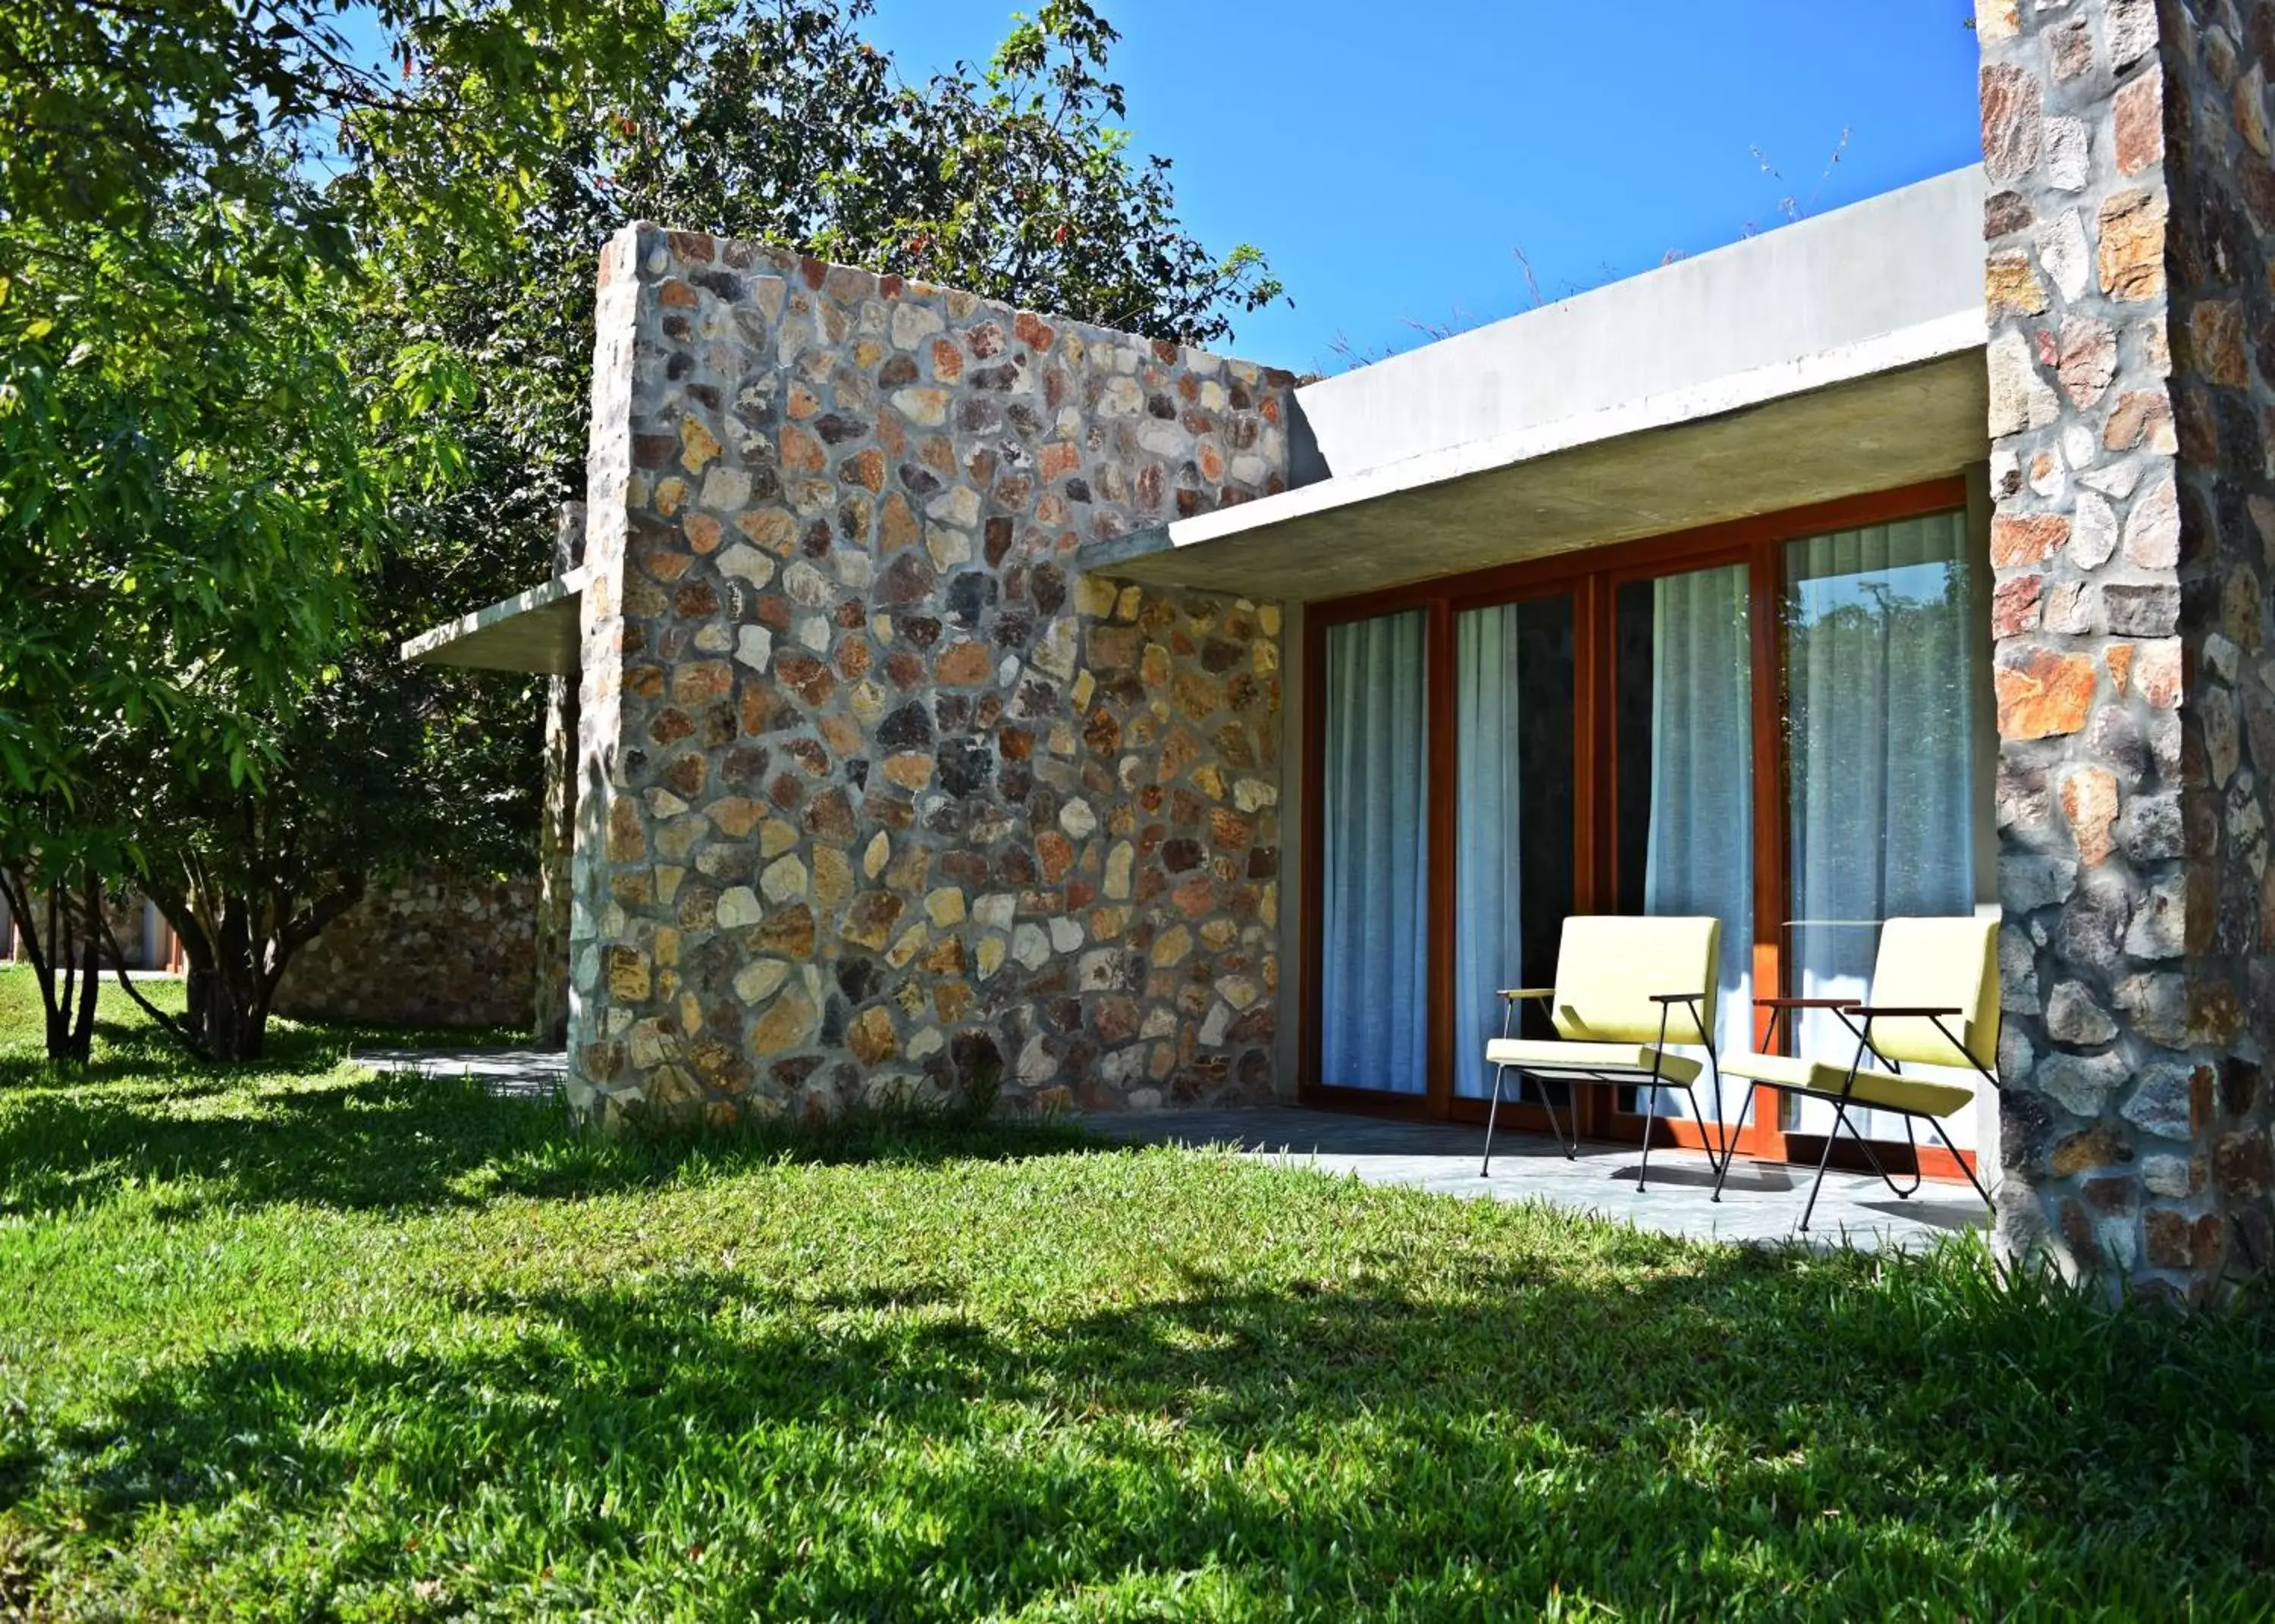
x=1761 y=1204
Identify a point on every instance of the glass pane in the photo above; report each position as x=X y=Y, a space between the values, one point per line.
x=1683 y=710
x=1513 y=676
x=1883 y=663
x=1374 y=938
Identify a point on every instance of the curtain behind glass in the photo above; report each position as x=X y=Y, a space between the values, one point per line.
x=1489 y=917
x=1374 y=943
x=1883 y=662
x=1702 y=819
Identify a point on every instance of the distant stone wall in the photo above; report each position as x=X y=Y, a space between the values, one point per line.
x=876 y=792
x=426 y=951
x=2132 y=232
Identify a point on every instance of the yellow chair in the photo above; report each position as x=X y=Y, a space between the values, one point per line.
x=1627 y=986
x=1934 y=1002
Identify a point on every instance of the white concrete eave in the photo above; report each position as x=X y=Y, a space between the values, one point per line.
x=535 y=631
x=1896 y=409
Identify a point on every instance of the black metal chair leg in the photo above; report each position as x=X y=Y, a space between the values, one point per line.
x=1839 y=1121
x=1723 y=1172
x=1492 y=1113
x=1570 y=1147
x=1650 y=1110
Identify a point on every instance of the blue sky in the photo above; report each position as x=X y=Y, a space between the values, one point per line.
x=1391 y=160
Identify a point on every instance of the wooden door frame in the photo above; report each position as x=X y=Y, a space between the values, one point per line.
x=1592 y=576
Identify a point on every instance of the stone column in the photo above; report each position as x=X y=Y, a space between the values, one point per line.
x=556 y=833
x=2131 y=360
x=880 y=796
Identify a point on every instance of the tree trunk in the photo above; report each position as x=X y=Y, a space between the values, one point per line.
x=61 y=940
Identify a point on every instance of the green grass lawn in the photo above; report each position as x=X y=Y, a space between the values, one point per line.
x=299 y=1343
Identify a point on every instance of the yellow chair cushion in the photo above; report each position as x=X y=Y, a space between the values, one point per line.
x=1881 y=1089
x=1547 y=1054
x=1609 y=966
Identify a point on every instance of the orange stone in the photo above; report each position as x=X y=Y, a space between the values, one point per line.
x=2043 y=693
x=2118 y=658
x=801 y=452
x=2031 y=538
x=1055 y=853
x=2140 y=120
x=963 y=665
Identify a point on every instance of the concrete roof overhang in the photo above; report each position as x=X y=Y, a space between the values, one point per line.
x=1661 y=467
x=1832 y=357
x=534 y=631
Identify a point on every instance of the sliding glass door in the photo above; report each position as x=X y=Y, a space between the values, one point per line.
x=1684 y=811
x=1883 y=661
x=1780 y=724
x=1513 y=870
x=1373 y=921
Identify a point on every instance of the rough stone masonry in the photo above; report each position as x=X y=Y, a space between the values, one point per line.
x=2132 y=376
x=877 y=793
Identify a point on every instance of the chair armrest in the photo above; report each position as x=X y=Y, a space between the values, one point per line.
x=1512 y=994
x=1805 y=1003
x=1676 y=998
x=1870 y=1010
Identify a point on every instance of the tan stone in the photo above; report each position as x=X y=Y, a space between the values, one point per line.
x=2089 y=798
x=869 y=922
x=2152 y=530
x=872 y=1038
x=2043 y=693
x=629 y=973
x=697 y=445
x=832 y=875
x=2157 y=666
x=784 y=1026
x=774 y=529
x=944 y=906
x=2132 y=255
x=760 y=979
x=2011 y=287
x=1172 y=946
x=777 y=836
x=909 y=769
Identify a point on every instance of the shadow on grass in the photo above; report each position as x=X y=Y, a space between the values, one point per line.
x=398 y=1140
x=1831 y=1437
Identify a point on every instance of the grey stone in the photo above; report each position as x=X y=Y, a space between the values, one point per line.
x=2159 y=927
x=2158 y=1103
x=2026 y=883
x=2156 y=1005
x=2080 y=1084
x=2074 y=1018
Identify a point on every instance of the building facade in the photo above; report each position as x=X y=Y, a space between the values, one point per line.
x=969 y=700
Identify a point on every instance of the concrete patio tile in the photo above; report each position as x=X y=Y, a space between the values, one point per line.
x=1762 y=1203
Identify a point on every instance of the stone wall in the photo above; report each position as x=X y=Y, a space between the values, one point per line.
x=2132 y=356
x=877 y=794
x=434 y=949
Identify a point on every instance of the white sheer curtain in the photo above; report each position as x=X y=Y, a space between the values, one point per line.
x=1883 y=660
x=1489 y=917
x=1702 y=819
x=1374 y=937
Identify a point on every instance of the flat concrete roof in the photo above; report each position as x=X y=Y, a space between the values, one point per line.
x=534 y=631
x=1830 y=357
